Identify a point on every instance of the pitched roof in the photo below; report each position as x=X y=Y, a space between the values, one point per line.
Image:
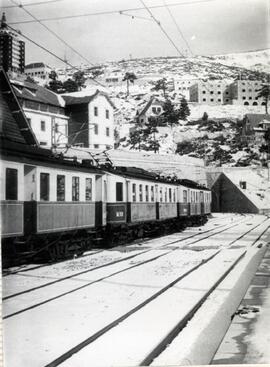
x=37 y=93
x=148 y=105
x=79 y=98
x=13 y=123
x=71 y=100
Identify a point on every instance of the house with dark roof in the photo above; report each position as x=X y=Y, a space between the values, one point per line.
x=45 y=111
x=91 y=119
x=153 y=108
x=254 y=127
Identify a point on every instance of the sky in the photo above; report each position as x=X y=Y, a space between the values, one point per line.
x=210 y=27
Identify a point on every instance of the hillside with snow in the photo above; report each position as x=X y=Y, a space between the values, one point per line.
x=254 y=60
x=216 y=146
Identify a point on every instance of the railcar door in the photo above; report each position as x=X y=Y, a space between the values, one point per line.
x=30 y=198
x=101 y=199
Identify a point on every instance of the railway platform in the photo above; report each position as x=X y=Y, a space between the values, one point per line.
x=248 y=338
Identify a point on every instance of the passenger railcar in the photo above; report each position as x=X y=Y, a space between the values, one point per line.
x=141 y=202
x=52 y=208
x=47 y=200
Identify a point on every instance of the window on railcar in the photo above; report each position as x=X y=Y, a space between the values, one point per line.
x=184 y=196
x=119 y=191
x=44 y=186
x=170 y=195
x=166 y=194
x=197 y=197
x=88 y=189
x=11 y=184
x=174 y=195
x=146 y=193
x=134 y=192
x=75 y=188
x=140 y=193
x=161 y=195
x=152 y=194
x=60 y=187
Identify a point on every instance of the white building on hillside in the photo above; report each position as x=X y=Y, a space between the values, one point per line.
x=37 y=70
x=182 y=85
x=91 y=121
x=244 y=92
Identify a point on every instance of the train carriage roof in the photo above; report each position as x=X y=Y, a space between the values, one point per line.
x=38 y=156
x=139 y=173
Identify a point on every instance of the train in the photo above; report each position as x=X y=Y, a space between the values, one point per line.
x=54 y=208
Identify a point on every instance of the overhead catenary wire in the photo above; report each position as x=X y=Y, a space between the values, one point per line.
x=52 y=32
x=108 y=12
x=178 y=28
x=134 y=16
x=50 y=52
x=32 y=4
x=162 y=29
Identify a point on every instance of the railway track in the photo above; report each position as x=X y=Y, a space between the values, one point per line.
x=110 y=266
x=152 y=243
x=27 y=268
x=119 y=318
x=128 y=324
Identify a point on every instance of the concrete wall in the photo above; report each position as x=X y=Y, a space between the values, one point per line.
x=226 y=197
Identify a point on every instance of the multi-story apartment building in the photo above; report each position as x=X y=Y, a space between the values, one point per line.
x=12 y=50
x=45 y=113
x=182 y=85
x=37 y=70
x=244 y=92
x=210 y=92
x=91 y=121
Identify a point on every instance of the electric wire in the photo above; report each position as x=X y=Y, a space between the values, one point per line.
x=31 y=4
x=52 y=32
x=50 y=52
x=115 y=11
x=135 y=16
x=178 y=28
x=162 y=29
